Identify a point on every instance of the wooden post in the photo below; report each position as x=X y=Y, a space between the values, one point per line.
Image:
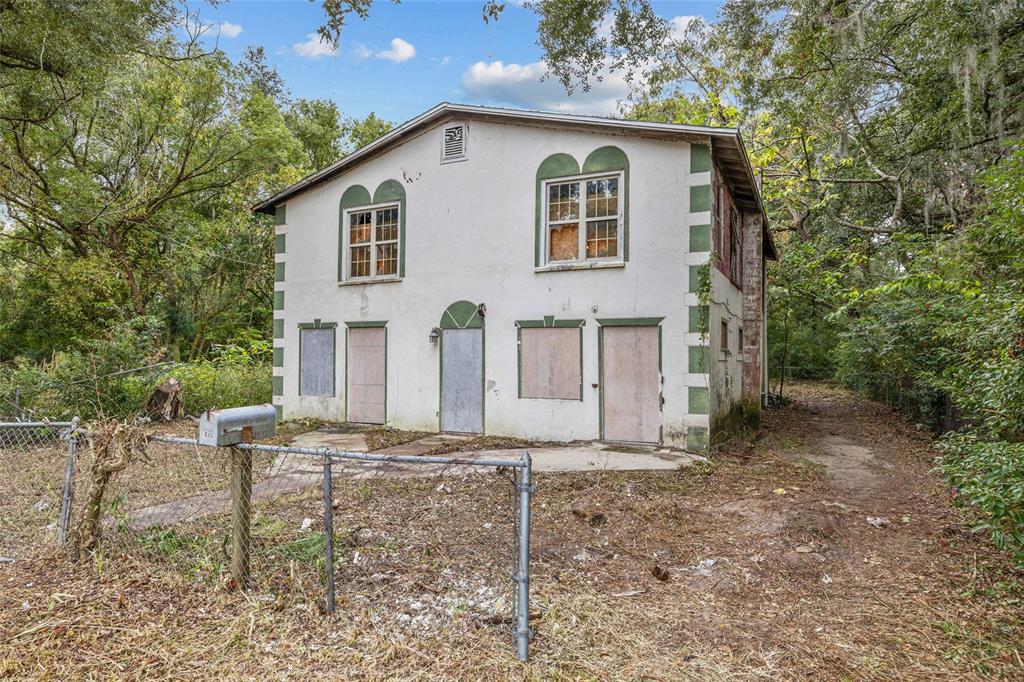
x=241 y=511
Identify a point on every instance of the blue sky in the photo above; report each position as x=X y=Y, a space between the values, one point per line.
x=406 y=58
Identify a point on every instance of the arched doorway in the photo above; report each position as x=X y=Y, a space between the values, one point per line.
x=462 y=368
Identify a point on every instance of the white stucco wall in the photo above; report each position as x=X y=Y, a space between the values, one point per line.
x=470 y=236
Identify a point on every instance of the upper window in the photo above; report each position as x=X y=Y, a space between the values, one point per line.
x=371 y=242
x=734 y=245
x=583 y=219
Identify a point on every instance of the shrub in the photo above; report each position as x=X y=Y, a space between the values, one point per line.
x=989 y=476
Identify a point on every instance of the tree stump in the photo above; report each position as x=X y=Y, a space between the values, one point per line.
x=164 y=403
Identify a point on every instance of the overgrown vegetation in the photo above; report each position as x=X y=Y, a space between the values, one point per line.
x=132 y=154
x=888 y=136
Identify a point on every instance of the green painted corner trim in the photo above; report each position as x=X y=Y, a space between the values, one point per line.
x=462 y=315
x=700 y=198
x=279 y=329
x=280 y=412
x=700 y=238
x=611 y=158
x=277 y=384
x=365 y=324
x=279 y=243
x=278 y=272
x=693 y=274
x=698 y=400
x=554 y=166
x=700 y=158
x=393 y=190
x=318 y=324
x=279 y=214
x=697 y=319
x=354 y=195
x=549 y=322
x=696 y=437
x=279 y=357
x=278 y=300
x=698 y=359
x=630 y=321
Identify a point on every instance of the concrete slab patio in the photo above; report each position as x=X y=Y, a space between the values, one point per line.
x=293 y=472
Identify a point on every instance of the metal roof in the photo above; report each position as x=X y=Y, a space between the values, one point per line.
x=726 y=143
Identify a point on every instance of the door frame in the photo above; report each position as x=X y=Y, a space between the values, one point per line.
x=628 y=322
x=365 y=325
x=462 y=315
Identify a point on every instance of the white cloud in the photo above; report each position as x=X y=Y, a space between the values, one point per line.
x=229 y=30
x=401 y=51
x=315 y=47
x=677 y=26
x=442 y=61
x=521 y=85
x=361 y=51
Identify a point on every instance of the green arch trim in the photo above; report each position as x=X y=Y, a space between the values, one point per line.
x=356 y=195
x=611 y=158
x=462 y=315
x=393 y=190
x=353 y=196
x=557 y=165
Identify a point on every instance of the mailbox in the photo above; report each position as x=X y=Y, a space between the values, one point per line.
x=225 y=427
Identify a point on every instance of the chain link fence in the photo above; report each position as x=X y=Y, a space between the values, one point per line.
x=420 y=542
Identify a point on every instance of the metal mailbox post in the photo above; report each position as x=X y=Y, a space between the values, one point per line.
x=228 y=428
x=222 y=428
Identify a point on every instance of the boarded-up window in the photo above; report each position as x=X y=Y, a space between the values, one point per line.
x=551 y=366
x=316 y=361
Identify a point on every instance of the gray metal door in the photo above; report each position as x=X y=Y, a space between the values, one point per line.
x=631 y=384
x=462 y=380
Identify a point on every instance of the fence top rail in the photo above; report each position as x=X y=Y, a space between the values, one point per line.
x=36 y=425
x=360 y=456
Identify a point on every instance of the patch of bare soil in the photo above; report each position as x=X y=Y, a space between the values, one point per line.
x=761 y=564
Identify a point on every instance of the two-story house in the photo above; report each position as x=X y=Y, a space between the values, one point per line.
x=549 y=276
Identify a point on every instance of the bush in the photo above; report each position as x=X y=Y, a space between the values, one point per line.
x=989 y=476
x=113 y=377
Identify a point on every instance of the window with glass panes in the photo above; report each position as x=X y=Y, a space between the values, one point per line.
x=373 y=242
x=583 y=219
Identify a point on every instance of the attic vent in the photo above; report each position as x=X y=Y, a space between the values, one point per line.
x=453 y=144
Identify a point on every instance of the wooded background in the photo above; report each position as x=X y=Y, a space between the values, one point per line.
x=887 y=135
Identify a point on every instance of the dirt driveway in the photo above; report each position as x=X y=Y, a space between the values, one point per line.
x=823 y=549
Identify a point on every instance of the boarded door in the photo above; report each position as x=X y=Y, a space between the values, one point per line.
x=366 y=375
x=462 y=380
x=316 y=361
x=632 y=391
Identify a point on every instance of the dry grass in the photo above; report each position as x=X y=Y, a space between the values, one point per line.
x=704 y=573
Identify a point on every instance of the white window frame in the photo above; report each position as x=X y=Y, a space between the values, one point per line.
x=582 y=229
x=346 y=232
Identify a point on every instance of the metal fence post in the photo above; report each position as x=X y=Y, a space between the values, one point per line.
x=522 y=630
x=67 y=492
x=241 y=511
x=329 y=532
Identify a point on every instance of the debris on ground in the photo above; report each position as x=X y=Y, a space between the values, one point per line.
x=878 y=521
